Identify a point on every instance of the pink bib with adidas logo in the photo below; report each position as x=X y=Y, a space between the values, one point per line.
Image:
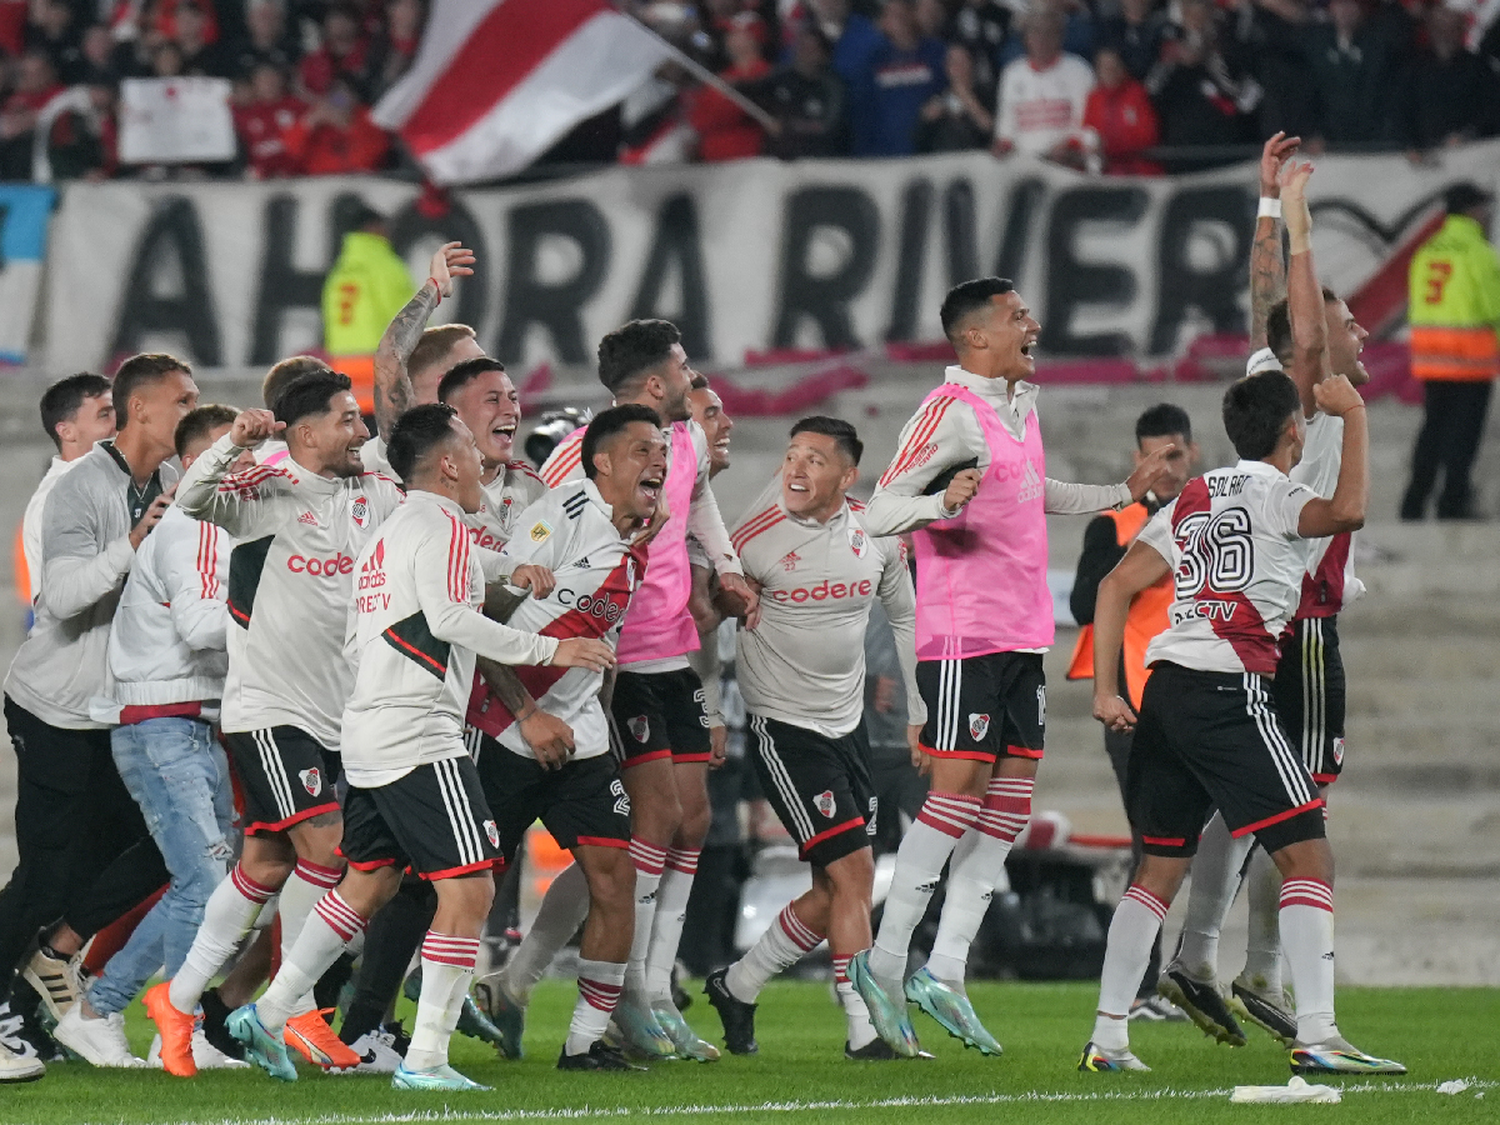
x=658 y=625
x=982 y=576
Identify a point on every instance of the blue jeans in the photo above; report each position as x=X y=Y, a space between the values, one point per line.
x=177 y=773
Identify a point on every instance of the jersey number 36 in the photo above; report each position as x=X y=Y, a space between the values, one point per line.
x=1217 y=552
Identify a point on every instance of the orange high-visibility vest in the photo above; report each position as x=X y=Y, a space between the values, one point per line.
x=1454 y=307
x=1147 y=617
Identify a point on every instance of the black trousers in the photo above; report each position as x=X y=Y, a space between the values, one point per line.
x=85 y=854
x=1448 y=440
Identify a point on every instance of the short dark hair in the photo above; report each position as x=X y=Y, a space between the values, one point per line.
x=416 y=434
x=1279 y=324
x=634 y=349
x=1164 y=420
x=466 y=372
x=1255 y=412
x=137 y=371
x=60 y=401
x=285 y=373
x=199 y=422
x=843 y=434
x=434 y=343
x=969 y=296
x=608 y=423
x=699 y=382
x=310 y=394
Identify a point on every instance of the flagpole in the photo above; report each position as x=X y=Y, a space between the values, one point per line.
x=709 y=78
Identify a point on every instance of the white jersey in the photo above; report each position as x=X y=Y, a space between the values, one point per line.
x=804 y=664
x=570 y=532
x=31 y=523
x=1237 y=560
x=291 y=580
x=417 y=626
x=516 y=488
x=1040 y=108
x=372 y=453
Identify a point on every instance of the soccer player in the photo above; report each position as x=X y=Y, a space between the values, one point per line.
x=298 y=527
x=658 y=703
x=969 y=480
x=1235 y=543
x=167 y=662
x=1308 y=333
x=801 y=671
x=1105 y=541
x=414 y=797
x=589 y=534
x=85 y=853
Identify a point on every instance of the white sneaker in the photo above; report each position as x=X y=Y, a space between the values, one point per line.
x=377 y=1052
x=97 y=1041
x=205 y=1055
x=57 y=981
x=19 y=1068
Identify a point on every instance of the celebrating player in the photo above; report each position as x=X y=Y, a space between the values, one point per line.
x=984 y=618
x=802 y=672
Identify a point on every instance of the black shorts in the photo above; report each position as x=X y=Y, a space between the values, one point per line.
x=1309 y=694
x=286 y=776
x=582 y=803
x=1209 y=740
x=657 y=715
x=820 y=787
x=984 y=707
x=434 y=821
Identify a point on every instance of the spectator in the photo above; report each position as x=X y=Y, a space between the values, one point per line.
x=956 y=120
x=36 y=85
x=1268 y=35
x=932 y=18
x=807 y=99
x=982 y=27
x=725 y=131
x=83 y=143
x=1042 y=96
x=343 y=51
x=1078 y=29
x=366 y=287
x=903 y=74
x=264 y=121
x=51 y=31
x=1356 y=79
x=1136 y=34
x=396 y=45
x=854 y=37
x=336 y=135
x=1202 y=99
x=1454 y=96
x=96 y=56
x=266 y=39
x=1120 y=114
x=167 y=60
x=200 y=56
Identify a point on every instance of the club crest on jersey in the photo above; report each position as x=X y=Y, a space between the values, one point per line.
x=1338 y=751
x=540 y=531
x=312 y=781
x=622 y=801
x=824 y=803
x=979 y=725
x=859 y=542
x=789 y=561
x=492 y=833
x=360 y=510
x=640 y=728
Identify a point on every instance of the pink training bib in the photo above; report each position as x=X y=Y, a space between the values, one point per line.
x=658 y=625
x=982 y=576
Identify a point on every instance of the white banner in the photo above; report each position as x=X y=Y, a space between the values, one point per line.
x=752 y=257
x=175 y=121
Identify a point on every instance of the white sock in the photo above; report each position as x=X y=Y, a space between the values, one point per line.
x=648 y=860
x=309 y=882
x=1132 y=933
x=447 y=969
x=785 y=942
x=329 y=929
x=599 y=987
x=859 y=1031
x=1263 y=944
x=1216 y=880
x=564 y=908
x=977 y=864
x=671 y=912
x=227 y=917
x=944 y=819
x=1307 y=934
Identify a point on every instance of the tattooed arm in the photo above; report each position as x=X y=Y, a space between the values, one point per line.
x=393 y=393
x=1267 y=270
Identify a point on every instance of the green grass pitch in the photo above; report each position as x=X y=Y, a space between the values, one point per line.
x=800 y=1075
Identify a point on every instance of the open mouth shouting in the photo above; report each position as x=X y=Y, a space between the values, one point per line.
x=649 y=490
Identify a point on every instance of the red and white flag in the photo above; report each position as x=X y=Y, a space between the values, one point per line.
x=497 y=82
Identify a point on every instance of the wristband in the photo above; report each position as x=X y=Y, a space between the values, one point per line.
x=1269 y=208
x=439 y=289
x=527 y=714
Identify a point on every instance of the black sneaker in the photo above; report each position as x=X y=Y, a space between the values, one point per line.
x=737 y=1017
x=876 y=1050
x=1200 y=999
x=1260 y=1006
x=598 y=1057
x=215 y=1013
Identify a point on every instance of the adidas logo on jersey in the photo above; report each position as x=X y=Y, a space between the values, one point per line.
x=789 y=561
x=1032 y=486
x=308 y=518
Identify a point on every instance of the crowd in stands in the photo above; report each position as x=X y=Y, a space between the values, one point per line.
x=1118 y=86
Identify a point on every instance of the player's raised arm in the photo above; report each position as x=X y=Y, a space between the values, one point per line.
x=1309 y=364
x=1267 y=268
x=393 y=390
x=1345 y=510
x=212 y=491
x=1141 y=567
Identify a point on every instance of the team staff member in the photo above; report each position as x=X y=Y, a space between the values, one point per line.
x=363 y=290
x=984 y=618
x=802 y=674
